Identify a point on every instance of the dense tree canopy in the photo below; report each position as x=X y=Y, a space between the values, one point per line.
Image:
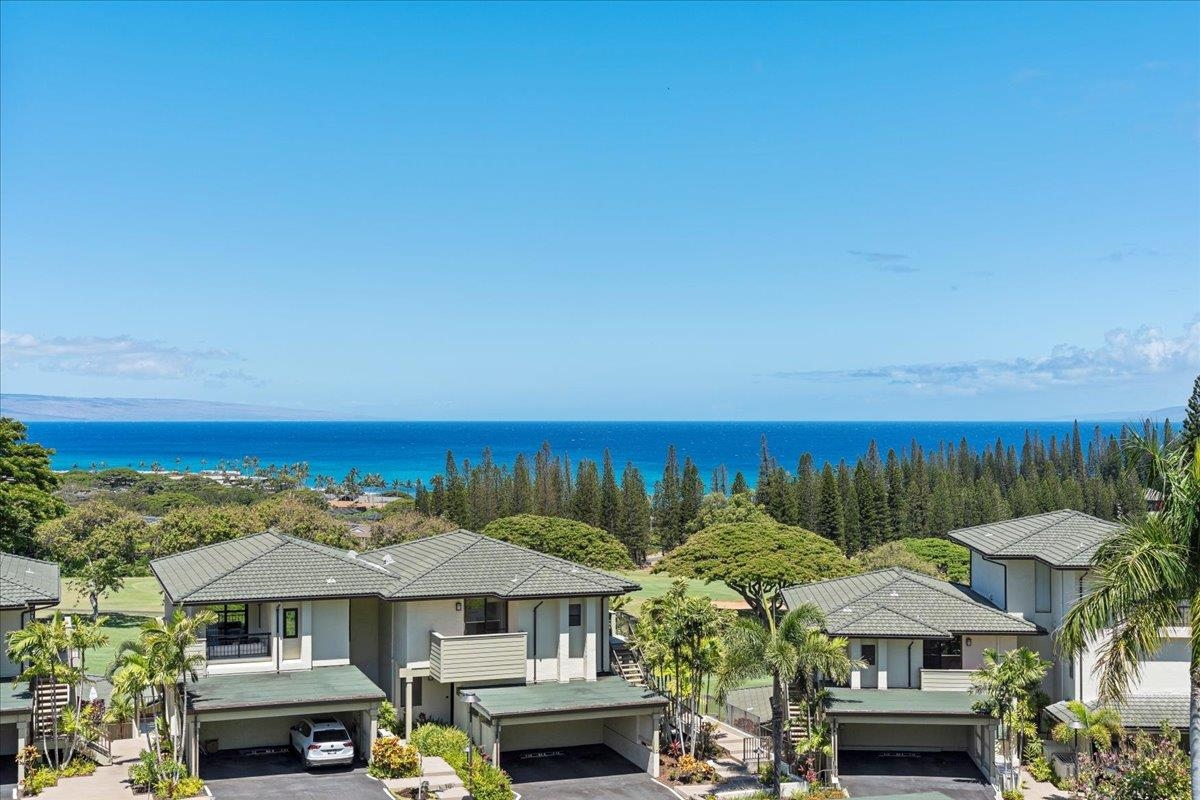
x=565 y=538
x=756 y=560
x=27 y=485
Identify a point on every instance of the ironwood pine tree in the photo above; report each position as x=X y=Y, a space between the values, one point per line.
x=692 y=493
x=610 y=498
x=1191 y=424
x=851 y=532
x=739 y=485
x=634 y=531
x=668 y=499
x=894 y=474
x=586 y=499
x=522 y=486
x=829 y=506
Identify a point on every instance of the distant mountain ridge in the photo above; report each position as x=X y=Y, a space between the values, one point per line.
x=50 y=408
x=1173 y=413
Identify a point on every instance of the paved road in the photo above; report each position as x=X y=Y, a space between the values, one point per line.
x=580 y=773
x=868 y=774
x=282 y=777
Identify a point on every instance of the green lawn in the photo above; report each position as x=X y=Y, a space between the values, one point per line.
x=140 y=595
x=656 y=585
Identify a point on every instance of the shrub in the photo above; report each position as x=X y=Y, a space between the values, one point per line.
x=565 y=538
x=488 y=782
x=690 y=769
x=145 y=772
x=190 y=786
x=390 y=758
x=951 y=558
x=388 y=718
x=40 y=779
x=1013 y=794
x=77 y=766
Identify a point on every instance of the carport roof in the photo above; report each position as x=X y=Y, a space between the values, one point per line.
x=607 y=692
x=15 y=696
x=343 y=684
x=900 y=702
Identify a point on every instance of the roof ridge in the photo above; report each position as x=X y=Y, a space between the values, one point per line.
x=28 y=558
x=401 y=584
x=344 y=555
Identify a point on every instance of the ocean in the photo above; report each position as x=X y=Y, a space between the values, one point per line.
x=406 y=451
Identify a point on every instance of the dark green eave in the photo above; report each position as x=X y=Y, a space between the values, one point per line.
x=320 y=685
x=15 y=697
x=901 y=702
x=608 y=692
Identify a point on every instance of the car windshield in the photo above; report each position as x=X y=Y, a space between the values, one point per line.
x=330 y=735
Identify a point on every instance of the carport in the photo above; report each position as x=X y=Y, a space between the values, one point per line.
x=608 y=711
x=255 y=711
x=16 y=716
x=896 y=729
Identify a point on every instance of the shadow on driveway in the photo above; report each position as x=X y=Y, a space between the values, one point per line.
x=282 y=777
x=579 y=773
x=866 y=774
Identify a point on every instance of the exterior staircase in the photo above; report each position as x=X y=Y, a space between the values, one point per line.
x=48 y=700
x=797 y=723
x=626 y=664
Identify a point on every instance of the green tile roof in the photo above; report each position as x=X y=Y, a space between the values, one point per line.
x=901 y=702
x=263 y=690
x=272 y=566
x=25 y=581
x=897 y=602
x=1063 y=539
x=15 y=696
x=1138 y=710
x=606 y=692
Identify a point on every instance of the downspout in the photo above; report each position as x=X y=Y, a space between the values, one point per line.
x=535 y=658
x=276 y=638
x=910 y=644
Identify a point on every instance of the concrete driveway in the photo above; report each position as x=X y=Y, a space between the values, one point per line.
x=887 y=774
x=8 y=776
x=580 y=773
x=283 y=777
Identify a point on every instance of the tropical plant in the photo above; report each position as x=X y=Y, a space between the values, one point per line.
x=782 y=649
x=677 y=634
x=1007 y=683
x=166 y=644
x=1142 y=767
x=392 y=758
x=1100 y=726
x=40 y=645
x=1146 y=578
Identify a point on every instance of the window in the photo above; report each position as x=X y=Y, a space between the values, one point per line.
x=868 y=654
x=575 y=615
x=1041 y=587
x=484 y=615
x=232 y=618
x=942 y=653
x=291 y=623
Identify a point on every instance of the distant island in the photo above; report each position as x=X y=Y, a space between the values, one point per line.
x=49 y=408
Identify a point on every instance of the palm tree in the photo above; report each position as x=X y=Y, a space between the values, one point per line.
x=782 y=649
x=40 y=645
x=132 y=674
x=1100 y=726
x=166 y=643
x=1006 y=683
x=83 y=635
x=1146 y=578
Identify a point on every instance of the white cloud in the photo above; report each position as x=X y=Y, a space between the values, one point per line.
x=1125 y=355
x=113 y=356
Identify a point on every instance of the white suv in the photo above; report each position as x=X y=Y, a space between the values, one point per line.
x=322 y=742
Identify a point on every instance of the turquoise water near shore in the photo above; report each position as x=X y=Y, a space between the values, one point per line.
x=407 y=451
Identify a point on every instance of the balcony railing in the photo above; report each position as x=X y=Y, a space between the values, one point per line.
x=237 y=645
x=946 y=680
x=485 y=657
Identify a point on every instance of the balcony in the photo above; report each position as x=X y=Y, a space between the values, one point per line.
x=228 y=646
x=946 y=680
x=486 y=657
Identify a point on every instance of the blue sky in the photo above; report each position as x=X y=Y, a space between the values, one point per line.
x=892 y=211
